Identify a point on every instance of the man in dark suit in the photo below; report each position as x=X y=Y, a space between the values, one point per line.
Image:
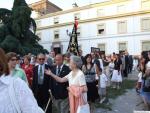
x=59 y=90
x=41 y=84
x=126 y=64
x=130 y=64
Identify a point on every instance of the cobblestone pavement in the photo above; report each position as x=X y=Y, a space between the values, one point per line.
x=126 y=103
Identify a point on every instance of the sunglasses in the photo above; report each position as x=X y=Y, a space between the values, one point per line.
x=41 y=59
x=13 y=59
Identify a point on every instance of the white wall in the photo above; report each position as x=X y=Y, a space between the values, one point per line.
x=89 y=37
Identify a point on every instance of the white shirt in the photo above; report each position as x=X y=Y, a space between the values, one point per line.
x=103 y=81
x=43 y=68
x=148 y=65
x=78 y=79
x=24 y=96
x=140 y=77
x=111 y=66
x=58 y=68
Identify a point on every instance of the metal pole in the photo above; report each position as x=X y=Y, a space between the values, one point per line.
x=50 y=98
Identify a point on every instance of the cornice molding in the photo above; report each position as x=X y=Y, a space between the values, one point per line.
x=142 y=12
x=111 y=2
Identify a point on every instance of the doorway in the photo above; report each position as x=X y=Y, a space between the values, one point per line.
x=57 y=50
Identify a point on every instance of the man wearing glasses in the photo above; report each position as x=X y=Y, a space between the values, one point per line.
x=41 y=81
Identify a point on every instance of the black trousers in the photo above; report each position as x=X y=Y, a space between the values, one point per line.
x=130 y=68
x=42 y=99
x=126 y=72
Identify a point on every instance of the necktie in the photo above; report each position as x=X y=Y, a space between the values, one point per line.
x=40 y=75
x=40 y=71
x=58 y=70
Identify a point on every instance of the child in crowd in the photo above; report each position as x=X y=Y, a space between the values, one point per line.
x=102 y=86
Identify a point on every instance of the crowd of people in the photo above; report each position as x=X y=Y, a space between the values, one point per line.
x=64 y=79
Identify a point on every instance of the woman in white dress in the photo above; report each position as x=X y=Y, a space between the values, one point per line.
x=116 y=76
x=16 y=97
x=75 y=78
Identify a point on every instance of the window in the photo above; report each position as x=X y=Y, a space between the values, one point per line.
x=102 y=48
x=101 y=29
x=39 y=35
x=120 y=8
x=145 y=4
x=146 y=46
x=78 y=31
x=145 y=24
x=56 y=34
x=56 y=20
x=122 y=26
x=77 y=15
x=122 y=47
x=100 y=12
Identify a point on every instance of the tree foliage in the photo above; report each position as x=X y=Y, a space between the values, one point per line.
x=15 y=30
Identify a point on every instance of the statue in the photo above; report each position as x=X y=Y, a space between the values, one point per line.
x=73 y=43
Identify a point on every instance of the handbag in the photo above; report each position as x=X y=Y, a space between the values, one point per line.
x=12 y=95
x=83 y=108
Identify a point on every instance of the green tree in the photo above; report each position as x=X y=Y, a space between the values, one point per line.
x=15 y=30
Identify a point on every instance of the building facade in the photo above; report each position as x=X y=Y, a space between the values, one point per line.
x=112 y=26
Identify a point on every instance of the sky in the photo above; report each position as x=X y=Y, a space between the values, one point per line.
x=64 y=4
